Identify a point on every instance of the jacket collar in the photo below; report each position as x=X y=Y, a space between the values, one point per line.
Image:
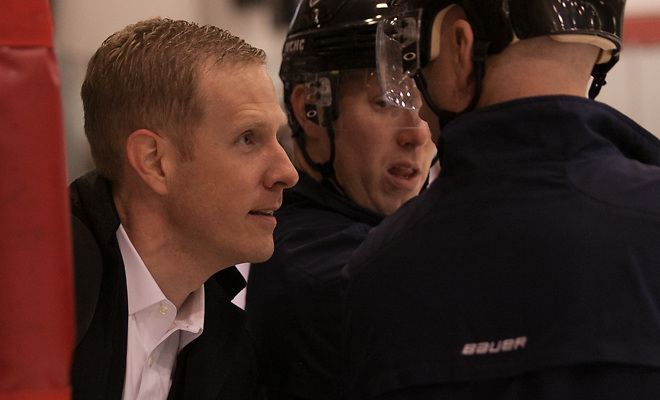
x=543 y=128
x=328 y=198
x=92 y=202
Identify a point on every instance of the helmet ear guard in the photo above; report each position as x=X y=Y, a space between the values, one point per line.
x=318 y=100
x=608 y=48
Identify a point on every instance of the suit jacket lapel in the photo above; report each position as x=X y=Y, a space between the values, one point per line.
x=99 y=363
x=221 y=363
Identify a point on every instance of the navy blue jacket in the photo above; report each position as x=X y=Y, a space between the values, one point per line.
x=293 y=300
x=529 y=269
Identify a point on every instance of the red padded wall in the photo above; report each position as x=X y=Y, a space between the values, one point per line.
x=36 y=287
x=641 y=29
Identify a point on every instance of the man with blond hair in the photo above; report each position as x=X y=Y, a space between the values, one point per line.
x=182 y=122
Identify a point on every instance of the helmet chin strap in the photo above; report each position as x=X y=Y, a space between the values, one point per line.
x=599 y=72
x=326 y=169
x=444 y=116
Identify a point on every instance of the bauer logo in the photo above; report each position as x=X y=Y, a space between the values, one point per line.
x=294 y=46
x=494 y=347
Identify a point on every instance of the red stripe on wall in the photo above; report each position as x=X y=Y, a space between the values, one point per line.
x=641 y=30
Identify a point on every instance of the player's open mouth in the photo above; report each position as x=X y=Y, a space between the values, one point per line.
x=404 y=176
x=402 y=172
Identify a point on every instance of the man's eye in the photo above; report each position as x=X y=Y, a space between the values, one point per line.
x=246 y=138
x=381 y=103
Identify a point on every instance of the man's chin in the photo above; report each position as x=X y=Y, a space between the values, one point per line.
x=261 y=254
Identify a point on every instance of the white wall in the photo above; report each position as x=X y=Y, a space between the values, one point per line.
x=81 y=26
x=642 y=7
x=633 y=86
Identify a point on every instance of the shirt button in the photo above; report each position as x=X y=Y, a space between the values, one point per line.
x=151 y=360
x=163 y=309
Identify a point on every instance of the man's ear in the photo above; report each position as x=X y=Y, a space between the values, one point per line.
x=462 y=43
x=145 y=150
x=298 y=104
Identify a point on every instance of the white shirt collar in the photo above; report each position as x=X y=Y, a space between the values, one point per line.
x=144 y=292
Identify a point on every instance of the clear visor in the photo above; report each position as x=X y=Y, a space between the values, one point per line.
x=346 y=99
x=398 y=59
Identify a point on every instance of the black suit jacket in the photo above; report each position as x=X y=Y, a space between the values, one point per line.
x=220 y=364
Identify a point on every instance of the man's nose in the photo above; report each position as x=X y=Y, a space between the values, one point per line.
x=416 y=133
x=281 y=172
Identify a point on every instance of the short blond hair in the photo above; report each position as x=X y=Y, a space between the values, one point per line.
x=145 y=76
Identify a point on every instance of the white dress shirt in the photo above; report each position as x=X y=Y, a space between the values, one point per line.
x=157 y=331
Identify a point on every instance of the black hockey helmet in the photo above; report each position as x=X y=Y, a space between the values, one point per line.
x=404 y=42
x=331 y=35
x=325 y=39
